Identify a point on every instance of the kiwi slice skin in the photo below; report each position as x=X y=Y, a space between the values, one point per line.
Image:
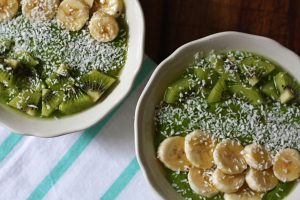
x=95 y=84
x=217 y=91
x=174 y=91
x=74 y=101
x=251 y=94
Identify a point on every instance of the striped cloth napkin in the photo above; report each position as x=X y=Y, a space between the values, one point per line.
x=98 y=163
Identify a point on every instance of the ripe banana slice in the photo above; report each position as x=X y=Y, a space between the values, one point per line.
x=89 y=2
x=228 y=157
x=201 y=183
x=8 y=9
x=227 y=183
x=39 y=10
x=257 y=157
x=287 y=165
x=73 y=14
x=244 y=193
x=199 y=149
x=261 y=181
x=112 y=7
x=171 y=154
x=103 y=27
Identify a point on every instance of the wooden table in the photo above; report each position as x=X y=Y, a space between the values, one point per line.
x=171 y=23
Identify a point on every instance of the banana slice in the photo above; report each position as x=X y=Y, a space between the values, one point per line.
x=244 y=193
x=261 y=181
x=199 y=149
x=112 y=7
x=103 y=27
x=73 y=14
x=8 y=9
x=287 y=165
x=171 y=154
x=227 y=183
x=257 y=157
x=228 y=157
x=39 y=10
x=201 y=183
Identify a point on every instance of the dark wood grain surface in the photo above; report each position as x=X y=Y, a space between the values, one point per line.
x=171 y=23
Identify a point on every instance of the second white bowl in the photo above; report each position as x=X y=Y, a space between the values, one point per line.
x=170 y=69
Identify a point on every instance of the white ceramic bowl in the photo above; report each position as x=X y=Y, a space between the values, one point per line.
x=50 y=127
x=169 y=70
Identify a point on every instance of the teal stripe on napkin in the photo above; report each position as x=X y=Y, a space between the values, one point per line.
x=68 y=159
x=117 y=187
x=8 y=145
x=82 y=142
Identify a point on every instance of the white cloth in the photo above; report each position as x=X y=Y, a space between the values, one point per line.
x=105 y=168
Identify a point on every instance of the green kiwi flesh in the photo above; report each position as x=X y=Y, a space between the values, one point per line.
x=217 y=91
x=5 y=46
x=74 y=100
x=51 y=99
x=26 y=101
x=95 y=84
x=177 y=89
x=251 y=94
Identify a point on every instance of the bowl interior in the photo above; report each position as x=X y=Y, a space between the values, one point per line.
x=170 y=69
x=51 y=127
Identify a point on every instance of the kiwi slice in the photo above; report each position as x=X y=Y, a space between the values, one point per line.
x=217 y=91
x=26 y=101
x=210 y=76
x=74 y=100
x=6 y=76
x=60 y=78
x=50 y=101
x=287 y=86
x=176 y=90
x=270 y=90
x=251 y=94
x=96 y=83
x=27 y=78
x=26 y=58
x=5 y=46
x=13 y=63
x=4 y=94
x=254 y=69
x=282 y=81
x=221 y=66
x=217 y=63
x=286 y=96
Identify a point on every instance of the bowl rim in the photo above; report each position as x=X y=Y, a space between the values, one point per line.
x=63 y=131
x=138 y=112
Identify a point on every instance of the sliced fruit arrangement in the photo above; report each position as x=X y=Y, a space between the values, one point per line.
x=39 y=10
x=22 y=88
x=251 y=78
x=71 y=14
x=228 y=167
